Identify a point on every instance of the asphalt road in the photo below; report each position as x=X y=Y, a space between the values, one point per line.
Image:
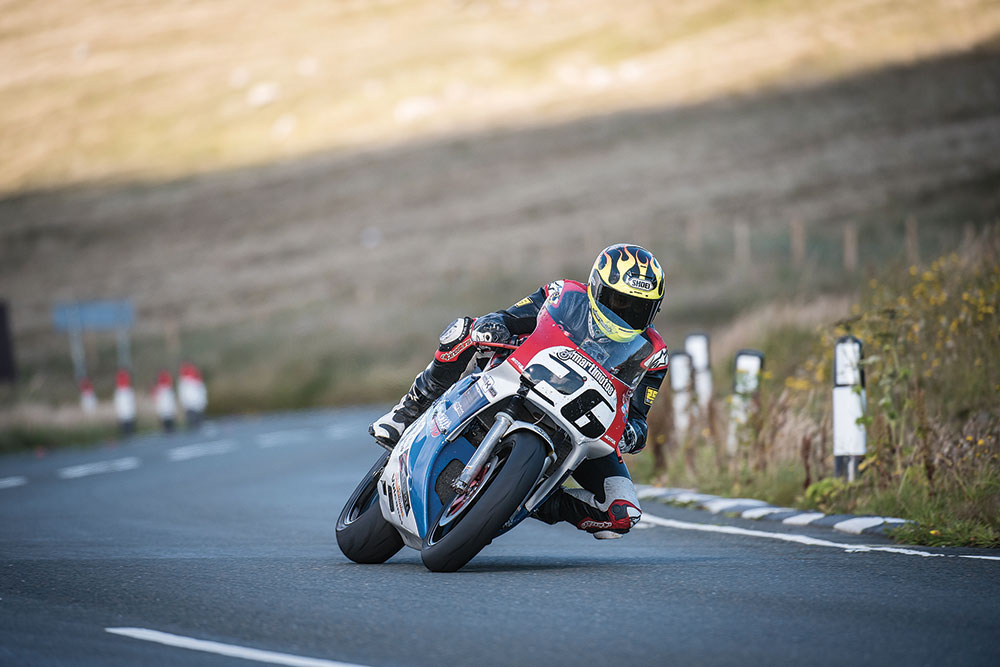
x=227 y=536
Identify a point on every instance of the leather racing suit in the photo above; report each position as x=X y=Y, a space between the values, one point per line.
x=606 y=505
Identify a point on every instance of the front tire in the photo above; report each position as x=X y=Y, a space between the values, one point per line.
x=363 y=534
x=446 y=548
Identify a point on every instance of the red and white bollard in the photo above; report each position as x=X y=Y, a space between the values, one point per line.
x=88 y=399
x=192 y=394
x=164 y=401
x=125 y=402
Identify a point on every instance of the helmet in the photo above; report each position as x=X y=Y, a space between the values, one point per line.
x=626 y=282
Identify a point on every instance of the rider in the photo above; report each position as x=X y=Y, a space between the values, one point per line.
x=627 y=280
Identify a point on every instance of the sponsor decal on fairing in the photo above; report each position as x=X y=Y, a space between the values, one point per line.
x=592 y=369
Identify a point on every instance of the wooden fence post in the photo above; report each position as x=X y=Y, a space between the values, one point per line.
x=850 y=247
x=741 y=243
x=798 y=244
x=912 y=242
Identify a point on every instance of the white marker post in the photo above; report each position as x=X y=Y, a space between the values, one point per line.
x=88 y=399
x=746 y=381
x=124 y=401
x=680 y=382
x=849 y=437
x=696 y=345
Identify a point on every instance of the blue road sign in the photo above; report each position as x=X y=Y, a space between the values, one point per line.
x=93 y=315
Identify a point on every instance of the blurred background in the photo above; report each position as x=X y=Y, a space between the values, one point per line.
x=299 y=196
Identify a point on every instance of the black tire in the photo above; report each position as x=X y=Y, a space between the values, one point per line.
x=522 y=456
x=362 y=533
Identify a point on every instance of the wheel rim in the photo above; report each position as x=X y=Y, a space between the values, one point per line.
x=461 y=504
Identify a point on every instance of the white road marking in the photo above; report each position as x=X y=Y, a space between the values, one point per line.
x=290 y=437
x=11 y=482
x=114 y=465
x=801 y=539
x=340 y=430
x=196 y=450
x=229 y=650
x=803 y=519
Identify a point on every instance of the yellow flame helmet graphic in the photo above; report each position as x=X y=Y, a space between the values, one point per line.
x=627 y=281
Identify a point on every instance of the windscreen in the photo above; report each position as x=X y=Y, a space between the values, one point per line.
x=571 y=313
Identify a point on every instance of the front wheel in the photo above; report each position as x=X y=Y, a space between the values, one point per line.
x=363 y=534
x=466 y=525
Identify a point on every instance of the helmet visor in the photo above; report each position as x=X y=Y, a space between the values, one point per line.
x=636 y=312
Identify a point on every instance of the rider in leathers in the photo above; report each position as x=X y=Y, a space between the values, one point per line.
x=627 y=280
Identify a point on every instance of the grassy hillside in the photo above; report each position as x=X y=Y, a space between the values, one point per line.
x=436 y=167
x=120 y=89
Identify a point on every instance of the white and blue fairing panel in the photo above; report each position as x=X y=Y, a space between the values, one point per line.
x=429 y=453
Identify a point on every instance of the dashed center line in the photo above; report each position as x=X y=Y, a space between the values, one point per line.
x=11 y=482
x=87 y=469
x=290 y=437
x=229 y=650
x=196 y=450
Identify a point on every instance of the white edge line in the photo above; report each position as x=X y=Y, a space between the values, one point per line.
x=11 y=482
x=801 y=539
x=226 y=649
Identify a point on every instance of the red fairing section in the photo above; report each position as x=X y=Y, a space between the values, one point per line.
x=552 y=335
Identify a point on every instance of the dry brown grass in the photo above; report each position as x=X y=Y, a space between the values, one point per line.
x=95 y=89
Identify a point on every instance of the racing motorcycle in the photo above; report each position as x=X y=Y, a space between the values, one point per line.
x=499 y=442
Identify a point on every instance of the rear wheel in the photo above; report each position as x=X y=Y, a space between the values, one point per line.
x=363 y=534
x=469 y=522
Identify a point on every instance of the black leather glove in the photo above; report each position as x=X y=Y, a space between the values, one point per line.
x=629 y=440
x=490 y=329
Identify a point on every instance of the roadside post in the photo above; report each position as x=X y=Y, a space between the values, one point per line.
x=164 y=401
x=88 y=399
x=680 y=382
x=696 y=345
x=8 y=371
x=849 y=436
x=747 y=367
x=124 y=401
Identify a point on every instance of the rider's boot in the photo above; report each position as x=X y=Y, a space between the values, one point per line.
x=426 y=388
x=609 y=519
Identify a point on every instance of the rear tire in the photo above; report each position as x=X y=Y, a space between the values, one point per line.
x=448 y=548
x=363 y=534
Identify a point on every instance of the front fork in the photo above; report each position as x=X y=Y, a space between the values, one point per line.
x=486 y=448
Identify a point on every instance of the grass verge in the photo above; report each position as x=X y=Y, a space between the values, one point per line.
x=932 y=360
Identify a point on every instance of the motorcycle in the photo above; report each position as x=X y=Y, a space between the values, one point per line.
x=499 y=442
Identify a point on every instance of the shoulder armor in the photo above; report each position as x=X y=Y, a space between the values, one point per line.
x=660 y=358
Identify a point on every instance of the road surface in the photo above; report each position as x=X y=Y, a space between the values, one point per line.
x=218 y=547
